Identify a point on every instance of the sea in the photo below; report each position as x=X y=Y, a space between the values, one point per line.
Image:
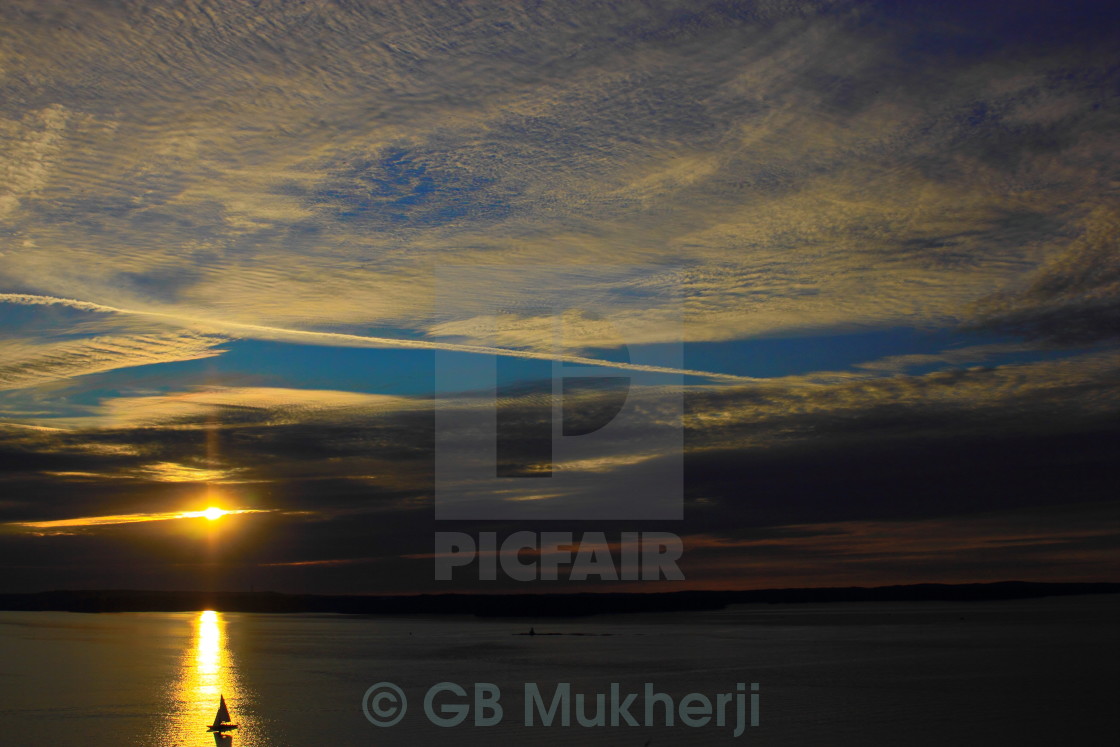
x=1021 y=672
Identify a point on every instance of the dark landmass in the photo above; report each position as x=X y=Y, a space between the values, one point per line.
x=578 y=635
x=526 y=605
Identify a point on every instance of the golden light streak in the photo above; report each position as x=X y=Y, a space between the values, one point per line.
x=208 y=651
x=211 y=513
x=206 y=672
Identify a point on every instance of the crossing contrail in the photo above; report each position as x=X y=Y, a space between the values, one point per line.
x=260 y=331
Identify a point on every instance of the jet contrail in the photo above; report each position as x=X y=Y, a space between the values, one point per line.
x=259 y=331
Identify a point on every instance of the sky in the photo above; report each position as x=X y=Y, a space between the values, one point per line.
x=868 y=251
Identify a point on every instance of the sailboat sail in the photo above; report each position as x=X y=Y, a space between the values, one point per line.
x=223 y=714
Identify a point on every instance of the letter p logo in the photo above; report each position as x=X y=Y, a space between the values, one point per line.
x=580 y=419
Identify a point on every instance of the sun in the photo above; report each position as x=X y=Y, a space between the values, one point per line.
x=213 y=513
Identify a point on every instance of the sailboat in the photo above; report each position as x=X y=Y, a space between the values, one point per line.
x=221 y=721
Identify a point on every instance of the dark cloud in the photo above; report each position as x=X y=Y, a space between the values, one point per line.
x=350 y=490
x=1075 y=298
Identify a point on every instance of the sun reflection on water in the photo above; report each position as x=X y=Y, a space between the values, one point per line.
x=208 y=656
x=206 y=673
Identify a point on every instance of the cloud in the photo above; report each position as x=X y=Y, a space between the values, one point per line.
x=29 y=363
x=216 y=406
x=36 y=140
x=1000 y=399
x=956 y=356
x=287 y=434
x=1052 y=542
x=1072 y=299
x=98 y=521
x=800 y=166
x=847 y=469
x=172 y=472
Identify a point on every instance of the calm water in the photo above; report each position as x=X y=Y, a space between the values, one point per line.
x=1030 y=672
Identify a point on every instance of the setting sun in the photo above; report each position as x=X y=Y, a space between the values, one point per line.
x=214 y=513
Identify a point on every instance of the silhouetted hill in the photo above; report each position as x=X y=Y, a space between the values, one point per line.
x=526 y=605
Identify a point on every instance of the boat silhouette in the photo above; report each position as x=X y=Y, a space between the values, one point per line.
x=222 y=720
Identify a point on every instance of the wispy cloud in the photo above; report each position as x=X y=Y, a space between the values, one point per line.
x=983 y=547
x=798 y=168
x=29 y=363
x=1072 y=298
x=215 y=406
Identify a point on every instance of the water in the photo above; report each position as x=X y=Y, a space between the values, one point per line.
x=1024 y=672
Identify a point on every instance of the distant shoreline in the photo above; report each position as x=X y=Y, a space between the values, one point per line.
x=526 y=605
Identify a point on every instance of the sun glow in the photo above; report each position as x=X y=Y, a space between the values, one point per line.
x=213 y=513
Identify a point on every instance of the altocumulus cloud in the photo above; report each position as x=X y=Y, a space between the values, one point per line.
x=803 y=164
